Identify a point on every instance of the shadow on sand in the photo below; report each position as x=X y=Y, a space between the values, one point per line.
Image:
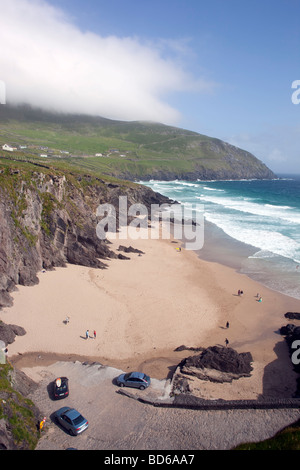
x=279 y=378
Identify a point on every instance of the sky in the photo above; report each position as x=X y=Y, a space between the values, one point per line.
x=223 y=68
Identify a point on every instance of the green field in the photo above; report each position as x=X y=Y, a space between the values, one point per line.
x=131 y=150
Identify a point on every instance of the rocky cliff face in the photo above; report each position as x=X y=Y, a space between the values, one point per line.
x=223 y=161
x=214 y=364
x=48 y=219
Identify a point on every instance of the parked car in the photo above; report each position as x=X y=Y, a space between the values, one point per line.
x=134 y=380
x=61 y=388
x=71 y=420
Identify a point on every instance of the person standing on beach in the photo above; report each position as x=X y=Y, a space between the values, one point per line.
x=227 y=324
x=226 y=342
x=94 y=334
x=87 y=334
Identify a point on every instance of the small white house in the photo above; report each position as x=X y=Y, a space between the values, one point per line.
x=7 y=148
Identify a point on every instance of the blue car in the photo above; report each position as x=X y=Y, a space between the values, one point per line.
x=134 y=380
x=71 y=420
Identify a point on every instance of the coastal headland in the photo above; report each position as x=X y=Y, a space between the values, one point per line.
x=144 y=307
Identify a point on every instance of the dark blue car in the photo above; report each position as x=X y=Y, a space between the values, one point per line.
x=61 y=388
x=134 y=380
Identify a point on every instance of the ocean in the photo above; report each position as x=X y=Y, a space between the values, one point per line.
x=250 y=225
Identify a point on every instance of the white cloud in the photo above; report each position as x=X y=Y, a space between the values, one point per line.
x=277 y=146
x=47 y=61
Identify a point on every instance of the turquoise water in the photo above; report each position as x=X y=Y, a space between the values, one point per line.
x=261 y=214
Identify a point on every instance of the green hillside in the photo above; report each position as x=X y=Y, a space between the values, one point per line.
x=129 y=150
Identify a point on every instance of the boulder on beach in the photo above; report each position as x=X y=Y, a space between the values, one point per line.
x=218 y=364
x=287 y=329
x=130 y=249
x=9 y=332
x=292 y=315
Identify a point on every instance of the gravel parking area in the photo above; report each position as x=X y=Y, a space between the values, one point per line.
x=117 y=422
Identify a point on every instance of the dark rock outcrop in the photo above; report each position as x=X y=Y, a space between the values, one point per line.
x=130 y=249
x=185 y=348
x=22 y=383
x=9 y=332
x=292 y=315
x=6 y=437
x=218 y=364
x=287 y=329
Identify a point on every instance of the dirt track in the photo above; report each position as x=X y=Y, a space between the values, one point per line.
x=117 y=422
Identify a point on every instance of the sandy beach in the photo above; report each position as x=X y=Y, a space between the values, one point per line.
x=145 y=307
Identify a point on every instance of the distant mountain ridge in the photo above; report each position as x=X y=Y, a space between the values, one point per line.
x=128 y=150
